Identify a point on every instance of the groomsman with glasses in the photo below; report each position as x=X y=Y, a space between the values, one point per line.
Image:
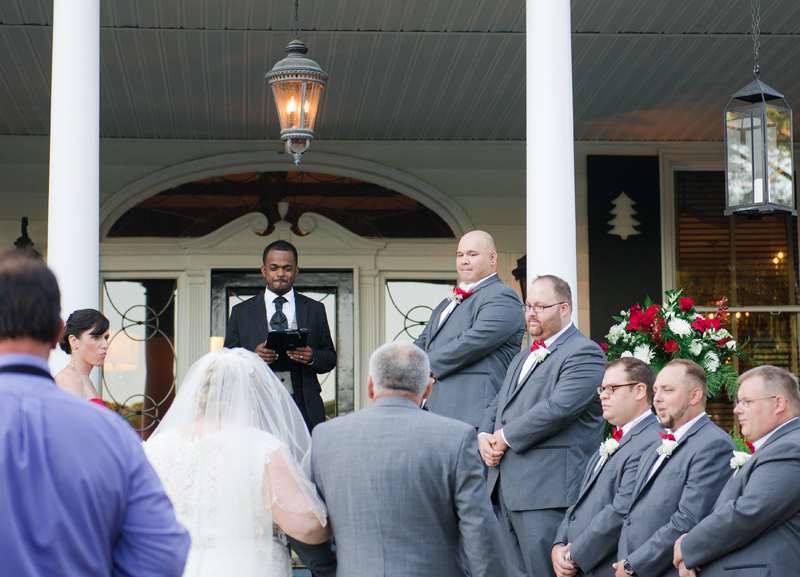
x=754 y=528
x=586 y=542
x=679 y=479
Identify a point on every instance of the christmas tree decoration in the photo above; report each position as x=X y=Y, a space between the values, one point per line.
x=623 y=221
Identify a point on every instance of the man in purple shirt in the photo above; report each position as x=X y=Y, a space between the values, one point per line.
x=77 y=495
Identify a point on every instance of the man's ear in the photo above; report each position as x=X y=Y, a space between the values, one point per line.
x=641 y=391
x=370 y=389
x=780 y=405
x=428 y=390
x=697 y=396
x=61 y=328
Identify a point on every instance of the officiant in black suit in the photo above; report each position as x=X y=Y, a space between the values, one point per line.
x=280 y=308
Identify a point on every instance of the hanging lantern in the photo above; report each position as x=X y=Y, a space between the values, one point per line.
x=759 y=171
x=297 y=83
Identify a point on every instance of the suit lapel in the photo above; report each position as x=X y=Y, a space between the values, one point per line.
x=260 y=313
x=300 y=310
x=787 y=429
x=436 y=314
x=513 y=384
x=591 y=474
x=516 y=386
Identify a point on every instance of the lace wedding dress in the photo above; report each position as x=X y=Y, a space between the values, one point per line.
x=217 y=485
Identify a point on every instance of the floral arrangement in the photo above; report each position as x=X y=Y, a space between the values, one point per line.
x=744 y=450
x=656 y=334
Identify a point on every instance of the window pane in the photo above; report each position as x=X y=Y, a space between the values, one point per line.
x=740 y=160
x=775 y=338
x=409 y=305
x=138 y=376
x=779 y=155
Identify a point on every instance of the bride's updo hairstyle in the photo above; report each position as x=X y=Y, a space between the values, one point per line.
x=81 y=321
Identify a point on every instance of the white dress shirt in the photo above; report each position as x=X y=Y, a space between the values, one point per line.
x=454 y=303
x=678 y=434
x=288 y=307
x=626 y=428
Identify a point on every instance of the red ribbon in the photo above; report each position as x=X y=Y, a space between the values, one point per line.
x=669 y=437
x=616 y=434
x=537 y=345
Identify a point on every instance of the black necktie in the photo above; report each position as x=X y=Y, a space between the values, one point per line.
x=278 y=321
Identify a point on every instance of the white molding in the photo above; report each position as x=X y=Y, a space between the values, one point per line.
x=694 y=156
x=262 y=161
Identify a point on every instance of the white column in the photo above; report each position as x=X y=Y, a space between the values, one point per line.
x=73 y=216
x=550 y=194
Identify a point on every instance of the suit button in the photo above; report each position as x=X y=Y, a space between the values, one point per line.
x=503 y=421
x=572 y=517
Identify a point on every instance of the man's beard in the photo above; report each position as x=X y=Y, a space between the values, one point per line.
x=547 y=329
x=669 y=422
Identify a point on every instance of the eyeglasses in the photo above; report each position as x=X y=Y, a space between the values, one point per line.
x=747 y=402
x=611 y=388
x=538 y=309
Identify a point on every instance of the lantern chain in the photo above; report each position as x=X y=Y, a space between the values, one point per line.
x=296 y=30
x=755 y=12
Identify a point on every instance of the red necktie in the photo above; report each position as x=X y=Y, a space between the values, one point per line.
x=537 y=345
x=669 y=437
x=616 y=434
x=750 y=446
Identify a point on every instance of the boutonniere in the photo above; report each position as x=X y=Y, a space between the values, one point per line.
x=668 y=445
x=739 y=459
x=539 y=350
x=608 y=448
x=458 y=295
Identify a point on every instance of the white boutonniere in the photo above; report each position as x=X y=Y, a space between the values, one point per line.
x=540 y=353
x=739 y=459
x=608 y=448
x=667 y=447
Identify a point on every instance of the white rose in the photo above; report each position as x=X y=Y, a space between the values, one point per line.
x=626 y=354
x=643 y=353
x=667 y=447
x=711 y=362
x=731 y=345
x=680 y=327
x=696 y=347
x=608 y=448
x=721 y=334
x=615 y=333
x=739 y=459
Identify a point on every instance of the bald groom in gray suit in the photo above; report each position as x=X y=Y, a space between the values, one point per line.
x=405 y=488
x=470 y=342
x=754 y=529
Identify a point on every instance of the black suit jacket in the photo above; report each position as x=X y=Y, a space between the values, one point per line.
x=248 y=328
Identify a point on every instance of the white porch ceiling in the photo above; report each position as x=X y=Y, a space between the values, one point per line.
x=402 y=69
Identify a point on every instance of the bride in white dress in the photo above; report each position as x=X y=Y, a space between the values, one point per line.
x=233 y=454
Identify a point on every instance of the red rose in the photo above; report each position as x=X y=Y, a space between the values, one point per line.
x=686 y=305
x=604 y=347
x=635 y=322
x=650 y=314
x=671 y=347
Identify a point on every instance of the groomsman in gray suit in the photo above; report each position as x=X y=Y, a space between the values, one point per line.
x=539 y=431
x=754 y=528
x=678 y=479
x=586 y=542
x=472 y=336
x=405 y=488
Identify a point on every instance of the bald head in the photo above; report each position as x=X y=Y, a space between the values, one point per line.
x=476 y=257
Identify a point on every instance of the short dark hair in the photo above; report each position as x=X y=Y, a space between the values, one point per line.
x=694 y=375
x=560 y=287
x=638 y=371
x=30 y=302
x=281 y=245
x=81 y=321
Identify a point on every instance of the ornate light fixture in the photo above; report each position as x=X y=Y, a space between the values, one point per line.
x=758 y=146
x=297 y=83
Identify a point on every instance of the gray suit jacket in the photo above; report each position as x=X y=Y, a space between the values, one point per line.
x=593 y=524
x=406 y=493
x=678 y=496
x=470 y=352
x=754 y=529
x=552 y=421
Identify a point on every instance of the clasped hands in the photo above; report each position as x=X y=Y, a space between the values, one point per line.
x=492 y=447
x=302 y=355
x=677 y=560
x=562 y=567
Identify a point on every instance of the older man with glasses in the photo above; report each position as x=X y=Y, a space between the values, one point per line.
x=538 y=433
x=754 y=528
x=586 y=542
